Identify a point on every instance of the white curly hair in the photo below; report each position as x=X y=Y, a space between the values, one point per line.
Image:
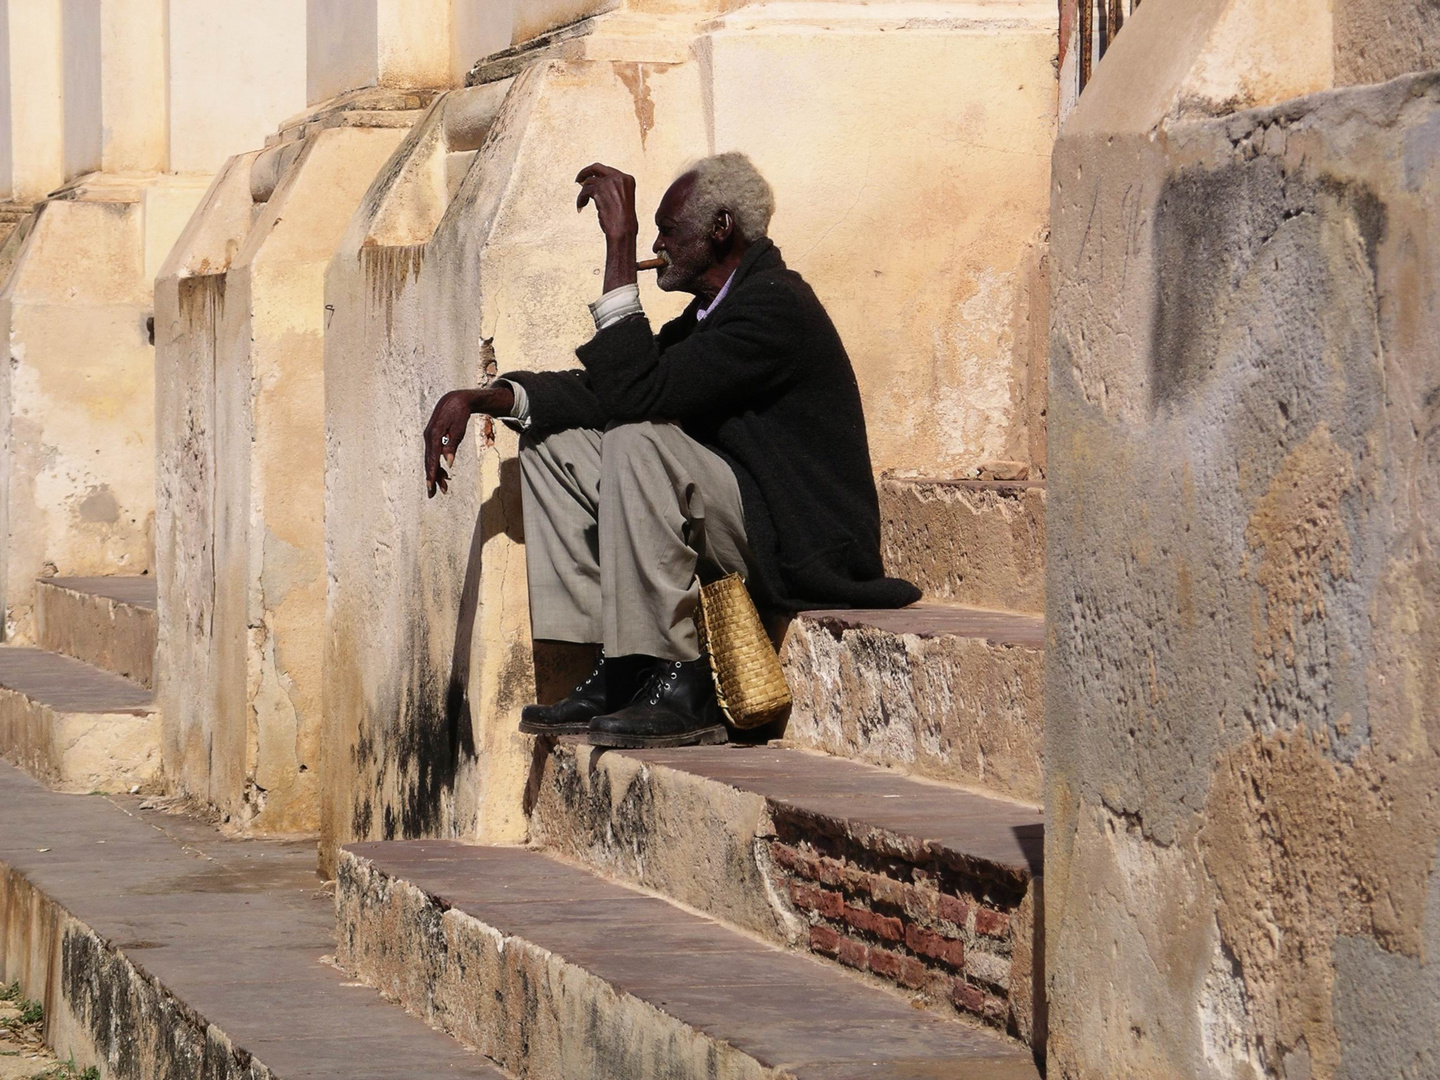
x=730 y=182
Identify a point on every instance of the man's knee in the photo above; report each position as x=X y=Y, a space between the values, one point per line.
x=627 y=445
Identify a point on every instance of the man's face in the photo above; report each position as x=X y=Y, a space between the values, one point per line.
x=686 y=247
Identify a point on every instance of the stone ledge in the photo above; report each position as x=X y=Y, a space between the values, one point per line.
x=553 y=972
x=811 y=851
x=949 y=693
x=108 y=622
x=161 y=949
x=76 y=727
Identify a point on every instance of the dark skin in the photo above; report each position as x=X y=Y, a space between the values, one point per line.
x=700 y=260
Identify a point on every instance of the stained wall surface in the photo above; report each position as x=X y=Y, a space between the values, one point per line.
x=239 y=432
x=1240 y=704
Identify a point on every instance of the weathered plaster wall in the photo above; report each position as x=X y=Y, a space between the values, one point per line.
x=1241 y=729
x=78 y=396
x=1380 y=39
x=240 y=660
x=428 y=653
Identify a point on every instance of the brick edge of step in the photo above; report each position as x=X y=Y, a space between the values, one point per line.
x=105 y=631
x=387 y=927
x=959 y=936
x=99 y=1006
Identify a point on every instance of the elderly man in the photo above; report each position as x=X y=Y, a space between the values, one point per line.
x=731 y=442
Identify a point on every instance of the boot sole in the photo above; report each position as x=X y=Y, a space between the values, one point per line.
x=710 y=736
x=554 y=729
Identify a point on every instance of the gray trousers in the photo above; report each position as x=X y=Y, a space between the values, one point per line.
x=617 y=525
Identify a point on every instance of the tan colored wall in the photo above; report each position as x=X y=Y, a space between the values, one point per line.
x=79 y=388
x=34 y=119
x=1241 y=738
x=236 y=70
x=114 y=85
x=355 y=43
x=428 y=652
x=240 y=660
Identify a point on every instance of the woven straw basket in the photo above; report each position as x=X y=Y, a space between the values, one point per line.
x=749 y=682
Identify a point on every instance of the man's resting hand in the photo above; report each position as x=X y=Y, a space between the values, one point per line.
x=448 y=423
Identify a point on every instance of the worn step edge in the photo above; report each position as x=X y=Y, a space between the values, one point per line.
x=527 y=1008
x=76 y=618
x=953 y=929
x=578 y=1021
x=960 y=706
x=99 y=1007
x=80 y=751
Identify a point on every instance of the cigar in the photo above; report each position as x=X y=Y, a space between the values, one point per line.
x=651 y=264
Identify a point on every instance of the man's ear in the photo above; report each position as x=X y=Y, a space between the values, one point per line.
x=724 y=225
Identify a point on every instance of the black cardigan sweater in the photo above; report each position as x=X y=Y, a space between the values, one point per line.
x=765 y=382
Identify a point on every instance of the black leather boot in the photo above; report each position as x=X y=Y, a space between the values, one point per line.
x=614 y=681
x=676 y=707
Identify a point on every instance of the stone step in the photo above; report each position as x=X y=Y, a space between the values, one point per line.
x=76 y=727
x=161 y=949
x=975 y=542
x=556 y=973
x=106 y=621
x=936 y=690
x=921 y=885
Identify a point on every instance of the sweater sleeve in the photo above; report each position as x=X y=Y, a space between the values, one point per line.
x=749 y=350
x=558 y=400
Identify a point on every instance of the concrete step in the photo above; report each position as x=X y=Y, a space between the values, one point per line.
x=161 y=949
x=76 y=727
x=556 y=973
x=106 y=621
x=935 y=690
x=974 y=542
x=923 y=886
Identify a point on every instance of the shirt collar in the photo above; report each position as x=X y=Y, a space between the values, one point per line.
x=700 y=315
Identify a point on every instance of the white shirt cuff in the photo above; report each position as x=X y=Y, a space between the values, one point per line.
x=615 y=305
x=519 y=417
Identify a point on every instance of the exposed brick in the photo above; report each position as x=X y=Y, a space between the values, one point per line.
x=991 y=923
x=887 y=890
x=795 y=860
x=824 y=940
x=830 y=872
x=922 y=903
x=853 y=953
x=970 y=998
x=953 y=909
x=887 y=963
x=912 y=972
x=928 y=943
x=822 y=901
x=785 y=855
x=882 y=926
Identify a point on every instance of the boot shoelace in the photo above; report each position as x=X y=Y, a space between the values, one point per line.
x=591 y=677
x=658 y=678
